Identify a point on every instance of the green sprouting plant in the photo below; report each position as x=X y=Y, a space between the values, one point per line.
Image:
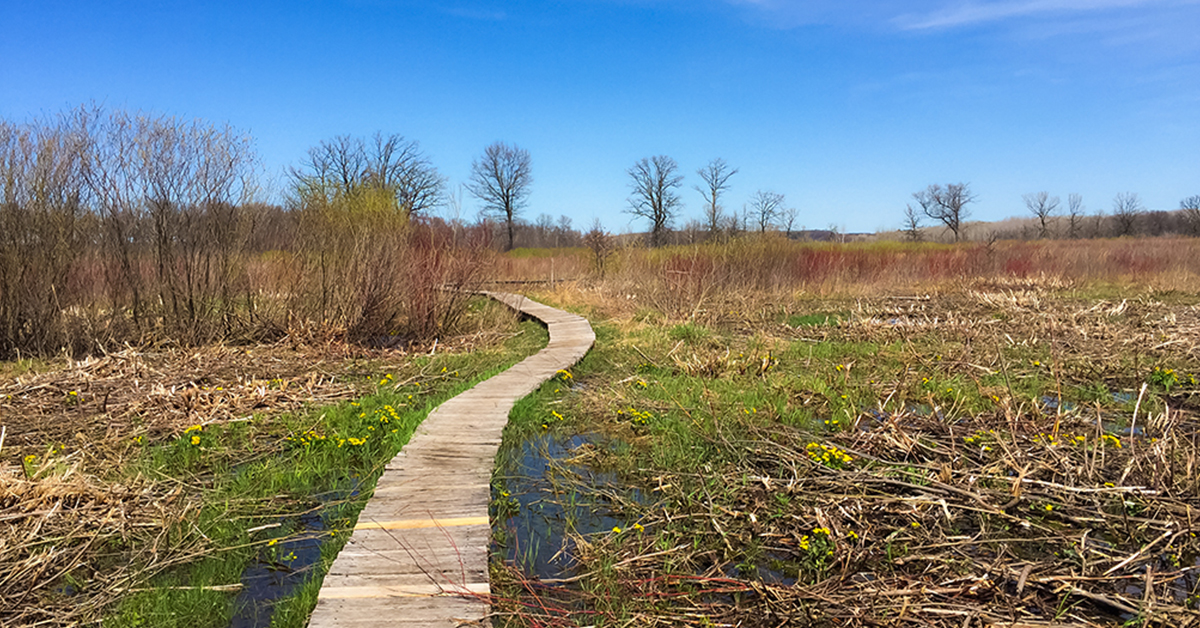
x=635 y=416
x=504 y=505
x=29 y=465
x=834 y=424
x=689 y=333
x=981 y=439
x=828 y=455
x=817 y=319
x=1164 y=378
x=310 y=462
x=817 y=548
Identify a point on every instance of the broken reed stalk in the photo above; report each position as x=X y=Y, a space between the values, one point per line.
x=62 y=500
x=1011 y=516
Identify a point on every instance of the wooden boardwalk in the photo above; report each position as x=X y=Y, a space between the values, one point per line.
x=418 y=555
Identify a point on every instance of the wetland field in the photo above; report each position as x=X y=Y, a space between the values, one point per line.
x=765 y=434
x=1002 y=450
x=207 y=486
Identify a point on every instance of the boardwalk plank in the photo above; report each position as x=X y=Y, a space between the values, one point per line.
x=418 y=554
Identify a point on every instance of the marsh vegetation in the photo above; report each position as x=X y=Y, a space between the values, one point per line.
x=983 y=449
x=201 y=388
x=155 y=488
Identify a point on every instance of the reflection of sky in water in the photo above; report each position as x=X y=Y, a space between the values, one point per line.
x=1181 y=589
x=558 y=498
x=537 y=537
x=282 y=567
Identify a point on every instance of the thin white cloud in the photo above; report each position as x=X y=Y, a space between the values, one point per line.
x=932 y=15
x=973 y=13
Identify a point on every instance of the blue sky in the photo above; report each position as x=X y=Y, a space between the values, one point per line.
x=846 y=107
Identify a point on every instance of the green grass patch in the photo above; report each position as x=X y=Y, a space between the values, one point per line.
x=817 y=319
x=263 y=472
x=689 y=333
x=844 y=446
x=527 y=252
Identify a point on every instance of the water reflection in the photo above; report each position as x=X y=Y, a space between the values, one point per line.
x=553 y=493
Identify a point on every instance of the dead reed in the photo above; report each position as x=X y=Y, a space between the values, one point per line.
x=84 y=520
x=679 y=280
x=1009 y=453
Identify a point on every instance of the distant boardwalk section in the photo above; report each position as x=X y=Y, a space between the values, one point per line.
x=418 y=556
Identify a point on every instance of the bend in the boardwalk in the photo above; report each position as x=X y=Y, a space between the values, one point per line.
x=418 y=555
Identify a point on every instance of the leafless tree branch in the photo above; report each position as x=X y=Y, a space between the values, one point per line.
x=500 y=179
x=654 y=183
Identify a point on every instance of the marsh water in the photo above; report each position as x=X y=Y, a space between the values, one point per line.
x=282 y=567
x=553 y=493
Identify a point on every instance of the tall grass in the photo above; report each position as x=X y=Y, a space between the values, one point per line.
x=123 y=227
x=680 y=279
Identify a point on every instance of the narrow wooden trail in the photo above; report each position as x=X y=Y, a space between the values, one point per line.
x=418 y=555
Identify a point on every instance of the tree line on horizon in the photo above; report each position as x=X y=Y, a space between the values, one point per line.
x=119 y=226
x=655 y=184
x=948 y=206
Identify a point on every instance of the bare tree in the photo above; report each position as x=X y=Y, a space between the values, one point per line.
x=836 y=233
x=601 y=244
x=113 y=181
x=1043 y=207
x=43 y=227
x=1155 y=223
x=692 y=232
x=454 y=202
x=192 y=173
x=947 y=205
x=912 y=225
x=1096 y=225
x=543 y=230
x=736 y=222
x=716 y=181
x=398 y=165
x=1190 y=208
x=564 y=235
x=389 y=167
x=731 y=224
x=170 y=194
x=501 y=180
x=766 y=207
x=654 y=183
x=1127 y=208
x=336 y=164
x=788 y=220
x=1074 y=215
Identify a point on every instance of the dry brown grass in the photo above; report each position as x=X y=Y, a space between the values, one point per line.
x=681 y=281
x=76 y=512
x=979 y=508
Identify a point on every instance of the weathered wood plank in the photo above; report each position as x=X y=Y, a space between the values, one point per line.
x=418 y=554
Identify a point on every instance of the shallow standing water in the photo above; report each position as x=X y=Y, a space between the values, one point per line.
x=554 y=491
x=282 y=567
